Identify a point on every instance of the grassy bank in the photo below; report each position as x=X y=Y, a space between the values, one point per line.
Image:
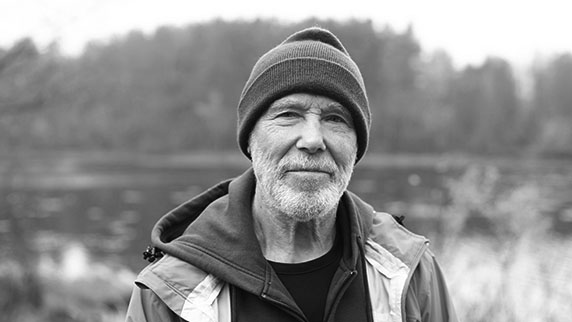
x=66 y=286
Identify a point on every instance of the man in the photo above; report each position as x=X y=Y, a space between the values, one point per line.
x=285 y=241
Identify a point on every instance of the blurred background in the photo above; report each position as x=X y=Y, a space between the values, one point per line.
x=114 y=112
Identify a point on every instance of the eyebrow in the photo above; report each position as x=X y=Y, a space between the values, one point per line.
x=339 y=108
x=284 y=104
x=289 y=103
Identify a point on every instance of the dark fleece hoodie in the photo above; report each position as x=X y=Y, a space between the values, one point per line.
x=214 y=233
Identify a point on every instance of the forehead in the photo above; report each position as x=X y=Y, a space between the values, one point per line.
x=307 y=101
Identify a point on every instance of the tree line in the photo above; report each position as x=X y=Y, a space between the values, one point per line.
x=176 y=90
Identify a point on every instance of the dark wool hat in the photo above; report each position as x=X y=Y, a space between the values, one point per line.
x=310 y=61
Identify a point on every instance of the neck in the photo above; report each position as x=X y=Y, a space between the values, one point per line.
x=284 y=239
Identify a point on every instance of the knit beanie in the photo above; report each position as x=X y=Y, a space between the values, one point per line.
x=309 y=61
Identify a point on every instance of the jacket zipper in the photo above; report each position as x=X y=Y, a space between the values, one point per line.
x=350 y=276
x=285 y=307
x=346 y=283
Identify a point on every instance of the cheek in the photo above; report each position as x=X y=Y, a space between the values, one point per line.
x=269 y=139
x=343 y=147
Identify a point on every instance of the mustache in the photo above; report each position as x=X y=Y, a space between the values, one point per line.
x=308 y=164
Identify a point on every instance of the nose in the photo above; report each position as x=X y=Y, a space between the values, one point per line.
x=311 y=138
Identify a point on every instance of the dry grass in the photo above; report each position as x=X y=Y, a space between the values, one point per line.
x=528 y=281
x=517 y=270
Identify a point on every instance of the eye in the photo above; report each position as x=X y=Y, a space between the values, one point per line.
x=287 y=114
x=335 y=118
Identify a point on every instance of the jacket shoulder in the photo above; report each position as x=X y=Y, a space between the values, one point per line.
x=185 y=289
x=170 y=272
x=402 y=243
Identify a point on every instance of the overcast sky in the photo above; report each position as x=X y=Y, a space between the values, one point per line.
x=468 y=30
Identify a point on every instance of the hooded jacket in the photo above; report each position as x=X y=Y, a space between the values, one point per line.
x=214 y=269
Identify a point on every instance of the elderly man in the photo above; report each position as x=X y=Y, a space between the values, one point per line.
x=285 y=241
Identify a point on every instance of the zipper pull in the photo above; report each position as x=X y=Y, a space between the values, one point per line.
x=264 y=292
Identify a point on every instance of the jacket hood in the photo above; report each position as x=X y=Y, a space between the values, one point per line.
x=215 y=233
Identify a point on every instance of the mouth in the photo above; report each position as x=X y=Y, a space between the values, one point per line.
x=309 y=171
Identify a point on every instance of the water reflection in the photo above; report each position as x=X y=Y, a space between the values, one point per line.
x=111 y=209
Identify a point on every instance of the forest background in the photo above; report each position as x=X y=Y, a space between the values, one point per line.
x=176 y=90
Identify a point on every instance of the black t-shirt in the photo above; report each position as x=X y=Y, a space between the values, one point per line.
x=309 y=282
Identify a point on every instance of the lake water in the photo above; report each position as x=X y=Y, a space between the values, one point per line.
x=109 y=204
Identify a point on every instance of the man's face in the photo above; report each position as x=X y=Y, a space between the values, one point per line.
x=303 y=152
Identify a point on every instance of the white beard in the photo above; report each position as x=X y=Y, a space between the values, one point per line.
x=310 y=199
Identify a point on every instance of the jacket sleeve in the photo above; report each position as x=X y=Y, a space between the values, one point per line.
x=145 y=306
x=427 y=297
